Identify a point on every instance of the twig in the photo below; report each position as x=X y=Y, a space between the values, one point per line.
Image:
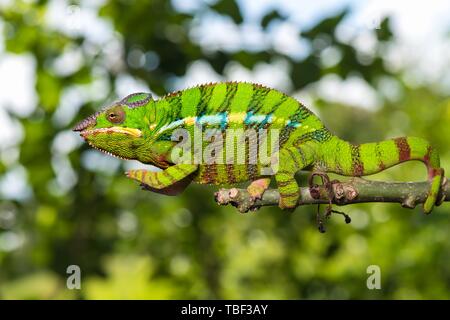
x=356 y=190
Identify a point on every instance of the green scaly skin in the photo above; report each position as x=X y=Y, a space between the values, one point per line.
x=140 y=128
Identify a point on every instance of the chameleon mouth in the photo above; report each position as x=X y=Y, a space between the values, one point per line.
x=128 y=131
x=86 y=133
x=107 y=152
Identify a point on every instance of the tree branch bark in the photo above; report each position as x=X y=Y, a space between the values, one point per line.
x=356 y=190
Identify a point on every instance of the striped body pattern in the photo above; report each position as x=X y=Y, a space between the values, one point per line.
x=245 y=128
x=226 y=107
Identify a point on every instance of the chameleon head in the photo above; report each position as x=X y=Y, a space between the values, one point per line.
x=118 y=130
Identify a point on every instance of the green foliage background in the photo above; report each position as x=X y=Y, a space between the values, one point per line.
x=135 y=244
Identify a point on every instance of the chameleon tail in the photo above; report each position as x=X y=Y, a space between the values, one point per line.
x=412 y=148
x=370 y=158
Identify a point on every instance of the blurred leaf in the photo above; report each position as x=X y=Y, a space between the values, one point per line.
x=229 y=8
x=129 y=277
x=50 y=84
x=269 y=17
x=384 y=32
x=37 y=286
x=326 y=26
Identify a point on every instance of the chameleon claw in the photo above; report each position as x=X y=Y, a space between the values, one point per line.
x=347 y=218
x=322 y=228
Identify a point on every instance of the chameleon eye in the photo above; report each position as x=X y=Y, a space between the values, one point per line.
x=116 y=115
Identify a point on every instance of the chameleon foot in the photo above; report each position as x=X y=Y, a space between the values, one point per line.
x=256 y=188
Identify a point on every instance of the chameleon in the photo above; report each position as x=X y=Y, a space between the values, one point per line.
x=139 y=127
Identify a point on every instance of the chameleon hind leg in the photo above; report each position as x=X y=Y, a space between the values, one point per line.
x=291 y=160
x=170 y=181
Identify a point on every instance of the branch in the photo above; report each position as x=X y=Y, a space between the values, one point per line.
x=356 y=190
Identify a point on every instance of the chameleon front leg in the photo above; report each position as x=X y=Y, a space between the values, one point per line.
x=172 y=190
x=170 y=181
x=291 y=160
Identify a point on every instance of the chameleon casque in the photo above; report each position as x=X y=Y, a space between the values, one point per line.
x=139 y=127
